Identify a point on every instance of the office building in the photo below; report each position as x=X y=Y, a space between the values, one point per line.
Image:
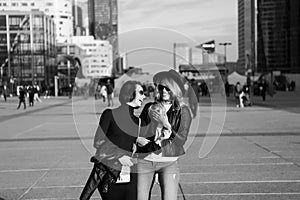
x=79 y=11
x=182 y=55
x=59 y=10
x=103 y=24
x=27 y=43
x=246 y=34
x=97 y=57
x=278 y=36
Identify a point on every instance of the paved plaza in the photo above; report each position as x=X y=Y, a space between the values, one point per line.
x=249 y=153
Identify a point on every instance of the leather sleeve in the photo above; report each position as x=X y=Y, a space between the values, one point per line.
x=180 y=136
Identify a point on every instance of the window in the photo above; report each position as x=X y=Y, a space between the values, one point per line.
x=2 y=22
x=24 y=4
x=32 y=4
x=14 y=4
x=49 y=4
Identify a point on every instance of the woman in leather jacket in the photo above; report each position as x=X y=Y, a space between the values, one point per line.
x=167 y=128
x=114 y=140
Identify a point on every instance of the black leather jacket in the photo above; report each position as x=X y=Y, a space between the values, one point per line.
x=180 y=120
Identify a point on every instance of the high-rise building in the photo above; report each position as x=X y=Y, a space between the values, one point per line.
x=103 y=23
x=27 y=48
x=97 y=59
x=278 y=36
x=79 y=11
x=182 y=55
x=246 y=34
x=59 y=10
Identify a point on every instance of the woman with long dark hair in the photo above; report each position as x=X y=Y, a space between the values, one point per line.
x=114 y=141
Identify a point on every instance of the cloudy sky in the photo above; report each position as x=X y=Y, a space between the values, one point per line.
x=200 y=20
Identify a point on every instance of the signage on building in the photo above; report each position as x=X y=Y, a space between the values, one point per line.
x=208 y=46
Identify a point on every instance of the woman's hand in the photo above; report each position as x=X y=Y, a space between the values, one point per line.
x=141 y=141
x=126 y=161
x=161 y=118
x=165 y=133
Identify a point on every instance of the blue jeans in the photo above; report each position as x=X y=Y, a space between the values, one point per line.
x=168 y=177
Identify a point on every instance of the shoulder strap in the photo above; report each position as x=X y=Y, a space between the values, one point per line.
x=139 y=129
x=135 y=144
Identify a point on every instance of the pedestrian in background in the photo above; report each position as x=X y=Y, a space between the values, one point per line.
x=30 y=96
x=110 y=93
x=237 y=92
x=4 y=92
x=103 y=92
x=293 y=85
x=22 y=95
x=193 y=92
x=227 y=88
x=36 y=90
x=262 y=86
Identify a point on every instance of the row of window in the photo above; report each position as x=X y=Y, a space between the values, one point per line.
x=17 y=4
x=97 y=71
x=92 y=45
x=97 y=66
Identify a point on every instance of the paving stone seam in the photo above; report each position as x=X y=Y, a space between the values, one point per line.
x=182 y=182
x=270 y=151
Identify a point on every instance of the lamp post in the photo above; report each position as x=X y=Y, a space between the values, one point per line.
x=68 y=65
x=225 y=45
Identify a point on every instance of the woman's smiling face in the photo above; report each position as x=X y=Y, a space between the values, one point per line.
x=164 y=91
x=139 y=96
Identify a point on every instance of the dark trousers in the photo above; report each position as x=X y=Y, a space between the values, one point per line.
x=20 y=102
x=263 y=96
x=110 y=100
x=120 y=191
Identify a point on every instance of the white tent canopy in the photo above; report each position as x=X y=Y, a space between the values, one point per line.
x=234 y=77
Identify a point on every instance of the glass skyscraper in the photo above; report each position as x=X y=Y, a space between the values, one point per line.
x=103 y=23
x=27 y=48
x=278 y=36
x=246 y=34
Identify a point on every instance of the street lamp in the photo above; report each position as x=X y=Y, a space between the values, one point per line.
x=225 y=44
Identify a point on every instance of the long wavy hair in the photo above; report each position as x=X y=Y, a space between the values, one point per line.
x=176 y=96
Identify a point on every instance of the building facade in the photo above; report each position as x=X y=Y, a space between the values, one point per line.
x=59 y=10
x=97 y=57
x=246 y=34
x=28 y=54
x=182 y=55
x=103 y=24
x=79 y=10
x=278 y=36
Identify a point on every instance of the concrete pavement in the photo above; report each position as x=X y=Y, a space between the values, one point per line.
x=45 y=150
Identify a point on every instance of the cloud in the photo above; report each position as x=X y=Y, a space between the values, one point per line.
x=196 y=18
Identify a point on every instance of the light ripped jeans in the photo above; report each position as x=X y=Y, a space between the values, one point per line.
x=168 y=177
